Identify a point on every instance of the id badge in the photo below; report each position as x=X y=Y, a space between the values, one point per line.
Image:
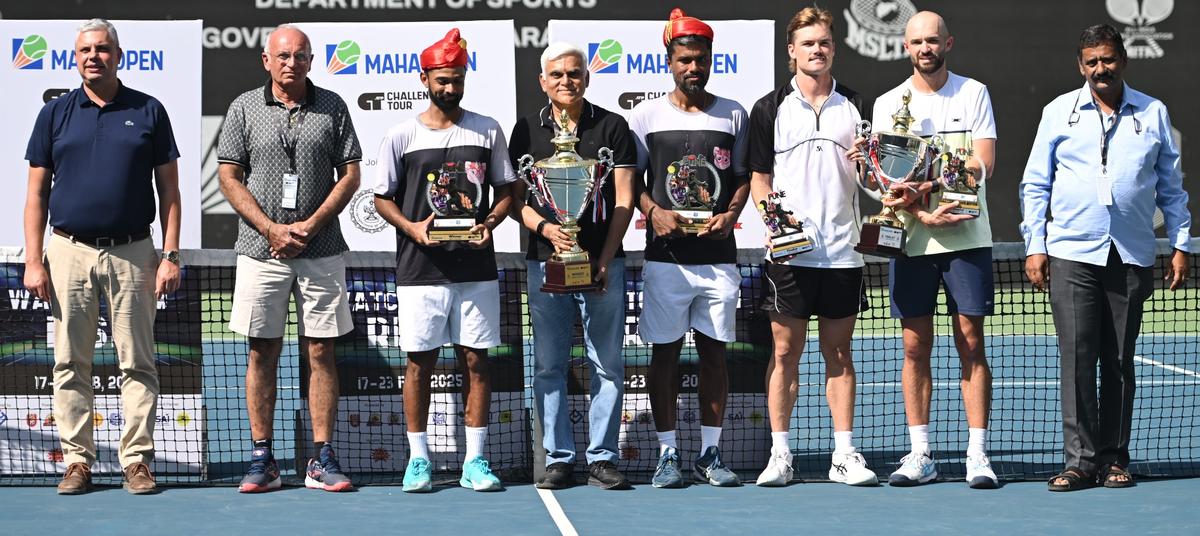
x=291 y=185
x=1104 y=188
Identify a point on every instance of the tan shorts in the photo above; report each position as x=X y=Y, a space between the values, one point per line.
x=262 y=289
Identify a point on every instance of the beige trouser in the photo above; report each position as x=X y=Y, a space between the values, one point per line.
x=124 y=276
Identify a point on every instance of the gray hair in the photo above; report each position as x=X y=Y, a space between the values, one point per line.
x=559 y=49
x=101 y=25
x=286 y=26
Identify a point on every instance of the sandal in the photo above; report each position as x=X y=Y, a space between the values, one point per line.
x=1115 y=476
x=1075 y=478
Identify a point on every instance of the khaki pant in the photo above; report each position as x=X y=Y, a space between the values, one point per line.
x=124 y=276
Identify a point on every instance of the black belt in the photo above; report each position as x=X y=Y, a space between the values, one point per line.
x=99 y=242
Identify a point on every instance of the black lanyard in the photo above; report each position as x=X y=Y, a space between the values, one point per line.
x=289 y=135
x=1104 y=134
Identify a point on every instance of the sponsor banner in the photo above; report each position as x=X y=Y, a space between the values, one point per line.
x=875 y=28
x=370 y=433
x=161 y=58
x=1142 y=39
x=375 y=68
x=30 y=441
x=628 y=65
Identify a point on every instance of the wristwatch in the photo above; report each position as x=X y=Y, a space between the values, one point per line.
x=171 y=256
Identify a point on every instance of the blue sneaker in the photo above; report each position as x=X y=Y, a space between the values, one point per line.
x=263 y=474
x=710 y=469
x=325 y=473
x=418 y=476
x=478 y=476
x=667 y=474
x=915 y=469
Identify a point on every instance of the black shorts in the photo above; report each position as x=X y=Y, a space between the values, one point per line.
x=801 y=292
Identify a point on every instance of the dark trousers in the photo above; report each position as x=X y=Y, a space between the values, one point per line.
x=1097 y=313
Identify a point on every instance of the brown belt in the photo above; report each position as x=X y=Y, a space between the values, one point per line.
x=100 y=242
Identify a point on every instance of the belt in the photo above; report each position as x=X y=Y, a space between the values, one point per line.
x=100 y=242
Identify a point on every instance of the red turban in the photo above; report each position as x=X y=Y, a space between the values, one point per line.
x=681 y=25
x=450 y=51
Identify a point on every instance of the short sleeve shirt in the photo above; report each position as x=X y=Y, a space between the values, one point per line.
x=102 y=160
x=420 y=168
x=675 y=146
x=596 y=128
x=253 y=137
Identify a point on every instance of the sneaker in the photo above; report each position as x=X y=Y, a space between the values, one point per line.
x=980 y=474
x=778 y=471
x=325 y=473
x=851 y=469
x=139 y=480
x=709 y=469
x=667 y=474
x=558 y=476
x=418 y=476
x=604 y=474
x=263 y=474
x=478 y=476
x=915 y=469
x=78 y=480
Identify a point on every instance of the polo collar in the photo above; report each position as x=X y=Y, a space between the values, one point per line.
x=122 y=95
x=545 y=119
x=310 y=93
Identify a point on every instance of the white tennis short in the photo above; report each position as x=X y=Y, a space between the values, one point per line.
x=467 y=314
x=676 y=297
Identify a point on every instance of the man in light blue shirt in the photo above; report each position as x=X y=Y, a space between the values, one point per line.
x=1102 y=160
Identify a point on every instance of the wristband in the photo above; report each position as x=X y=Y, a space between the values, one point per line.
x=651 y=211
x=937 y=187
x=541 y=225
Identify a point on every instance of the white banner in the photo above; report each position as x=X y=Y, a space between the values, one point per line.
x=375 y=68
x=628 y=65
x=162 y=59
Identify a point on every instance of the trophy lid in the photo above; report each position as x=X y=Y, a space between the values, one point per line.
x=564 y=148
x=903 y=118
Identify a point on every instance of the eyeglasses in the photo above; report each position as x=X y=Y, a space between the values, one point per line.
x=300 y=57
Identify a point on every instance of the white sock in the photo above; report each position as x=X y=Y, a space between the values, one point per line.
x=666 y=440
x=779 y=442
x=843 y=442
x=919 y=437
x=418 y=446
x=710 y=436
x=976 y=442
x=476 y=437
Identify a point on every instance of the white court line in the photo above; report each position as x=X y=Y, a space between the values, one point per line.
x=556 y=513
x=955 y=385
x=1171 y=368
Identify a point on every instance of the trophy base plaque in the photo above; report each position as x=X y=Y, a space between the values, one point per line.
x=454 y=230
x=697 y=220
x=784 y=247
x=569 y=277
x=967 y=203
x=881 y=240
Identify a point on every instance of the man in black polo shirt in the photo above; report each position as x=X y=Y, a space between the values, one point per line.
x=98 y=145
x=564 y=78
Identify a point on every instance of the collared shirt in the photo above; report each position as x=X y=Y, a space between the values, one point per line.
x=324 y=140
x=102 y=160
x=1066 y=174
x=596 y=128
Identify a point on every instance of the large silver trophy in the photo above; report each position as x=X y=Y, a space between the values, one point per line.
x=894 y=157
x=565 y=183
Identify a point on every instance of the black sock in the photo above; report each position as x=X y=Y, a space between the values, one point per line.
x=262 y=443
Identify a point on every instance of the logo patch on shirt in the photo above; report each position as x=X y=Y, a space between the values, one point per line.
x=956 y=120
x=128 y=123
x=721 y=158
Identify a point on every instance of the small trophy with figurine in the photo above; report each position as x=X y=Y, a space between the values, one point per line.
x=788 y=238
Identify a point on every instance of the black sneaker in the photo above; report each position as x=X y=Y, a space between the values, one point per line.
x=558 y=476
x=606 y=476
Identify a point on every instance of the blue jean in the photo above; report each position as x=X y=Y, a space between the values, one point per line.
x=553 y=318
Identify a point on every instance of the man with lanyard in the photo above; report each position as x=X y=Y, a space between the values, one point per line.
x=564 y=78
x=449 y=292
x=954 y=250
x=288 y=165
x=802 y=143
x=98 y=146
x=1102 y=160
x=691 y=282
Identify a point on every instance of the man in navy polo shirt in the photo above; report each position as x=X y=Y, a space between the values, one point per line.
x=98 y=146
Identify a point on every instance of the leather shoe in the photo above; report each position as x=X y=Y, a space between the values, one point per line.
x=77 y=480
x=558 y=476
x=139 y=480
x=606 y=476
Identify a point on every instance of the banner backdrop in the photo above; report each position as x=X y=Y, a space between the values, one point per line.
x=375 y=68
x=628 y=65
x=161 y=58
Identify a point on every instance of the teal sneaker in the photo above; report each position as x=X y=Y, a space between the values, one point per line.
x=418 y=476
x=710 y=469
x=667 y=474
x=478 y=476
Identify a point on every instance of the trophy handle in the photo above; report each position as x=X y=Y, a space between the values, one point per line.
x=865 y=180
x=525 y=171
x=604 y=157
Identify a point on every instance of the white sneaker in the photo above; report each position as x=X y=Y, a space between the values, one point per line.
x=778 y=471
x=980 y=474
x=915 y=469
x=851 y=469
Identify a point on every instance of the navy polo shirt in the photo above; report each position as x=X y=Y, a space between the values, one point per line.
x=102 y=160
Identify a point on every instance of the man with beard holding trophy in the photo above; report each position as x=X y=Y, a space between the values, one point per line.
x=948 y=243
x=607 y=212
x=802 y=142
x=691 y=276
x=447 y=286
